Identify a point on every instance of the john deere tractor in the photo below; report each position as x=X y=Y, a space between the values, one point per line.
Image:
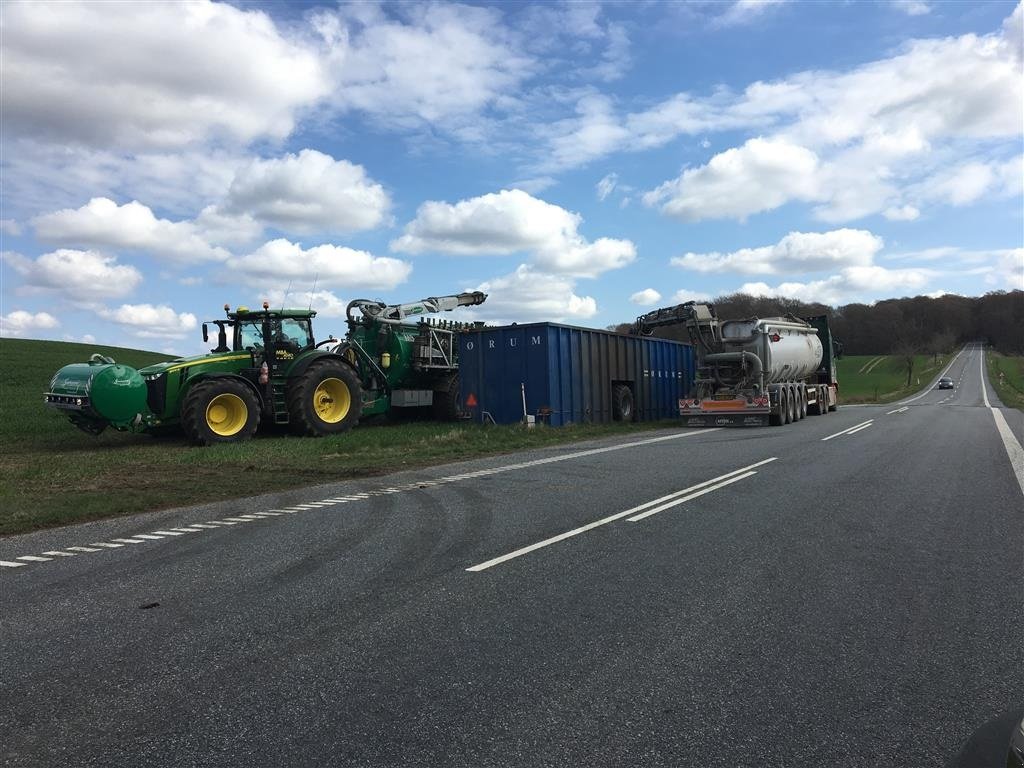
x=267 y=368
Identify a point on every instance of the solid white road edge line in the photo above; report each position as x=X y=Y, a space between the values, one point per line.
x=603 y=521
x=688 y=497
x=1013 y=448
x=263 y=515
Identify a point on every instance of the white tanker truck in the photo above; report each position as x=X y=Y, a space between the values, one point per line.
x=770 y=370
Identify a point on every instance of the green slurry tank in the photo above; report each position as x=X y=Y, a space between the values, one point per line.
x=267 y=368
x=99 y=392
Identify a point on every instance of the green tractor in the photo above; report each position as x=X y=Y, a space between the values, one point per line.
x=267 y=368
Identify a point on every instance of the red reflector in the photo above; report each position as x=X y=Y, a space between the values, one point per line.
x=775 y=337
x=471 y=401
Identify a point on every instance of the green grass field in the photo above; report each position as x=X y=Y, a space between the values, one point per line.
x=883 y=378
x=1006 y=372
x=52 y=473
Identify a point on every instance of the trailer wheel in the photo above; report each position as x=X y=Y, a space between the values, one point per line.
x=325 y=400
x=622 y=403
x=822 y=407
x=776 y=419
x=448 y=399
x=802 y=398
x=220 y=411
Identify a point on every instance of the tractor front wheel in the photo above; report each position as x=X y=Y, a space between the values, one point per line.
x=325 y=400
x=220 y=411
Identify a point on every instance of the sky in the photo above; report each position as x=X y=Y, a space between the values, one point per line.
x=580 y=162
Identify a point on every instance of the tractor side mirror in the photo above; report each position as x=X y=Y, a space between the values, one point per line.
x=206 y=334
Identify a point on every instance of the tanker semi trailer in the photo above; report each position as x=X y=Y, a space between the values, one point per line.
x=753 y=372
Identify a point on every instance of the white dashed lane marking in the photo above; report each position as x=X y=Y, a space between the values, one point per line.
x=170 y=533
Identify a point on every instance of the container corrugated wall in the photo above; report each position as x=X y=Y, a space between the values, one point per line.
x=568 y=373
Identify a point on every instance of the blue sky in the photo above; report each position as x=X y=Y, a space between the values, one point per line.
x=580 y=162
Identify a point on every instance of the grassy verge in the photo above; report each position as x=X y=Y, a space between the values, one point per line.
x=883 y=378
x=53 y=474
x=1006 y=373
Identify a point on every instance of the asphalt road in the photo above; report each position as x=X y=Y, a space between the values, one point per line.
x=846 y=590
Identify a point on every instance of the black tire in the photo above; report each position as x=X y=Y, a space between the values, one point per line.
x=622 y=403
x=220 y=411
x=776 y=419
x=448 y=399
x=814 y=409
x=802 y=400
x=787 y=406
x=326 y=399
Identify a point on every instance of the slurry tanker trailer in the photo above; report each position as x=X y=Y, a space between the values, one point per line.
x=758 y=371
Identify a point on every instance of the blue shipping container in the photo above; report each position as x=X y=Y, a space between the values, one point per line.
x=570 y=375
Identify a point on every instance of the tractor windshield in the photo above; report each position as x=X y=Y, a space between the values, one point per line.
x=292 y=332
x=250 y=334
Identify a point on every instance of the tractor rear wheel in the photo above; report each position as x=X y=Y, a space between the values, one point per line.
x=325 y=400
x=448 y=399
x=220 y=411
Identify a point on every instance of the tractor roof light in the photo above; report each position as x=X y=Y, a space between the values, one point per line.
x=266 y=305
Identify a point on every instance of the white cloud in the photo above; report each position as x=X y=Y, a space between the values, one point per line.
x=325 y=303
x=440 y=64
x=280 y=261
x=682 y=296
x=82 y=276
x=645 y=298
x=968 y=182
x=912 y=7
x=512 y=221
x=746 y=12
x=104 y=224
x=308 y=192
x=42 y=177
x=151 y=322
x=1007 y=271
x=19 y=322
x=152 y=74
x=217 y=226
x=796 y=252
x=851 y=283
x=606 y=186
x=759 y=176
x=535 y=185
x=859 y=138
x=901 y=213
x=10 y=227
x=516 y=298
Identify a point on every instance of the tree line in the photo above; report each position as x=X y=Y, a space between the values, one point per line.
x=918 y=325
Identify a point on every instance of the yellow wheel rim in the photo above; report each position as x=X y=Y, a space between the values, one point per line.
x=331 y=400
x=226 y=415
